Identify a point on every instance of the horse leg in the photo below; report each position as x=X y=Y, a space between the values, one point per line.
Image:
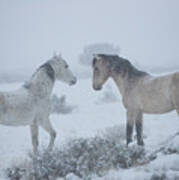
x=129 y=126
x=46 y=125
x=139 y=128
x=34 y=135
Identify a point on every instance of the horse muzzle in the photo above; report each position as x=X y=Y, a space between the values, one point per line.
x=97 y=88
x=73 y=82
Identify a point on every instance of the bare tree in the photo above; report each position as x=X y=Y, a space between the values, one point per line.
x=86 y=57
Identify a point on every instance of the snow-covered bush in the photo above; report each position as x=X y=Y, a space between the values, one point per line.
x=108 y=96
x=12 y=77
x=81 y=157
x=93 y=158
x=172 y=146
x=164 y=176
x=59 y=105
x=116 y=133
x=87 y=55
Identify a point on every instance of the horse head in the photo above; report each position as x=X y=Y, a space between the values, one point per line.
x=62 y=70
x=101 y=71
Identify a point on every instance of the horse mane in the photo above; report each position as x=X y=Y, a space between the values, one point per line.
x=47 y=69
x=119 y=64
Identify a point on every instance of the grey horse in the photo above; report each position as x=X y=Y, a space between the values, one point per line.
x=141 y=92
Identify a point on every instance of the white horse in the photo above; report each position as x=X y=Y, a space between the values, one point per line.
x=30 y=105
x=141 y=92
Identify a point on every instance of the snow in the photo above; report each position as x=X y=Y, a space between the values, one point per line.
x=91 y=118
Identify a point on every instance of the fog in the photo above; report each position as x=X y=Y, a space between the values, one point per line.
x=146 y=31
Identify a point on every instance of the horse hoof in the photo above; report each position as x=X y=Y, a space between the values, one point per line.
x=128 y=141
x=141 y=143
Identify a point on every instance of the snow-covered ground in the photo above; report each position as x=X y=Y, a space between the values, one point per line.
x=92 y=116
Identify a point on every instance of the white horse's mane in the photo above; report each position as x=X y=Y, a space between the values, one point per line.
x=45 y=68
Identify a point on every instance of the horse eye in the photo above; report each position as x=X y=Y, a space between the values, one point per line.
x=66 y=66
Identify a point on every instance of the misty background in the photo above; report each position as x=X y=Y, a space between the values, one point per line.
x=31 y=31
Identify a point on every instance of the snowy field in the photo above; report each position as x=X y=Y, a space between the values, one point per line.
x=145 y=32
x=94 y=113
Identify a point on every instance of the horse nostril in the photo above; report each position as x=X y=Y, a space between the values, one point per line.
x=97 y=88
x=73 y=82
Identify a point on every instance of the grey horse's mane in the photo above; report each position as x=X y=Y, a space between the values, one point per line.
x=119 y=64
x=49 y=71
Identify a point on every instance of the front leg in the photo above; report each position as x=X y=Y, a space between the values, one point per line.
x=129 y=126
x=34 y=135
x=139 y=128
x=46 y=125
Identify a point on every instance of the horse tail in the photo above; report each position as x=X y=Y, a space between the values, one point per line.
x=175 y=91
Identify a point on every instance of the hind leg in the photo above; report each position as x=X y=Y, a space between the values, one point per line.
x=46 y=125
x=129 y=126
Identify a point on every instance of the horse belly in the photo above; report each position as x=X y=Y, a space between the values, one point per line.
x=155 y=95
x=12 y=119
x=157 y=108
x=156 y=104
x=17 y=110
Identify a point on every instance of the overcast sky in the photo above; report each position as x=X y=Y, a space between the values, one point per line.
x=147 y=31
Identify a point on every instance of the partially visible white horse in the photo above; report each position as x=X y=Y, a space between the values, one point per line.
x=30 y=105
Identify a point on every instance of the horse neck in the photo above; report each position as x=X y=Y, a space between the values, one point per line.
x=41 y=84
x=121 y=83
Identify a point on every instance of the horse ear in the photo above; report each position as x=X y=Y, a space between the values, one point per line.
x=97 y=56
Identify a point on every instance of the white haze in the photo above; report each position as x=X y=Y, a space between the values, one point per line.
x=30 y=31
